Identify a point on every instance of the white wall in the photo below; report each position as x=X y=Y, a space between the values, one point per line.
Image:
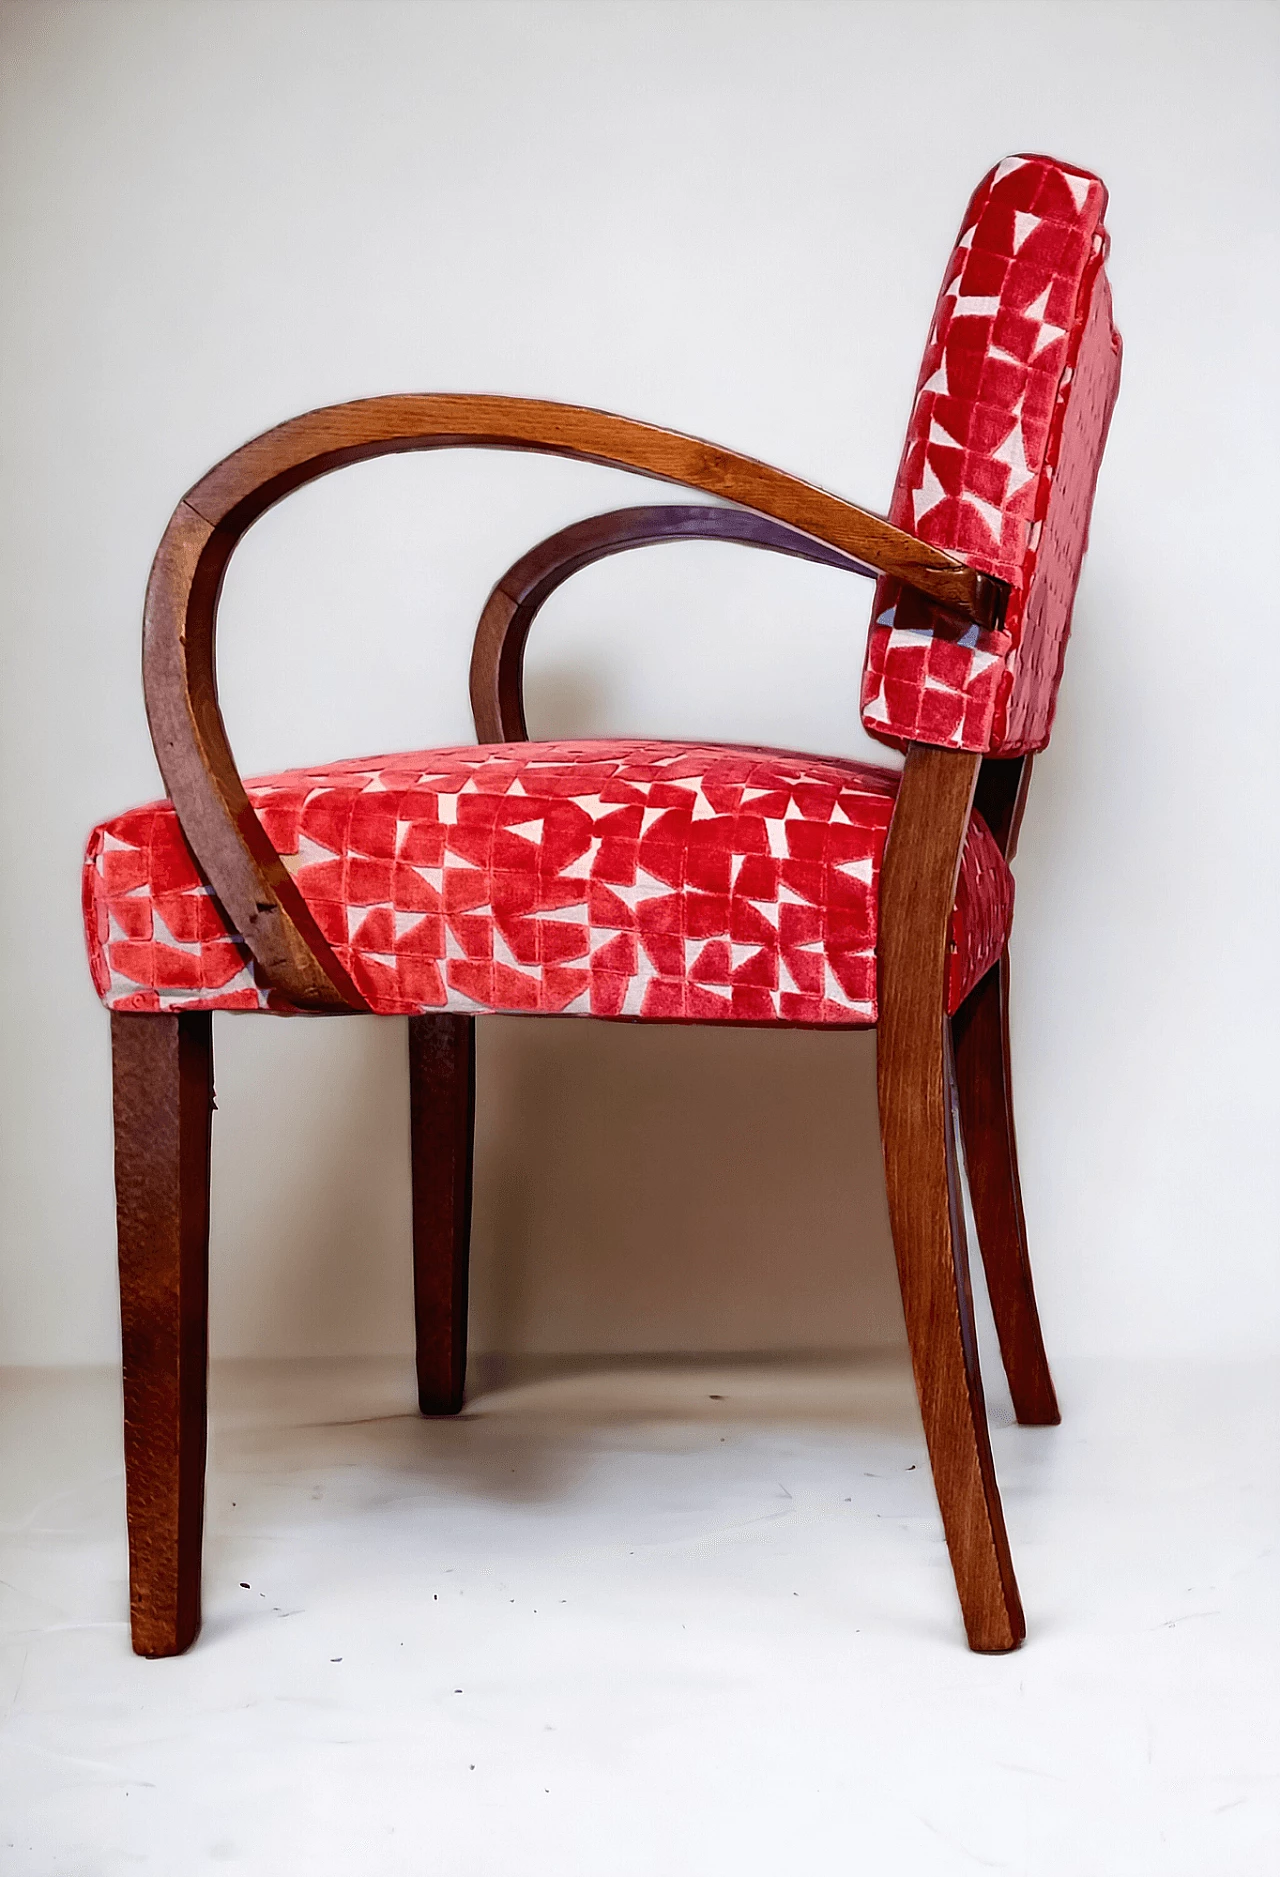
x=730 y=218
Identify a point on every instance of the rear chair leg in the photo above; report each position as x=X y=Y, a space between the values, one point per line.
x=162 y=1072
x=980 y=1031
x=442 y=1074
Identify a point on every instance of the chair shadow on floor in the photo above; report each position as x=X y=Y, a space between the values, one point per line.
x=319 y=1472
x=700 y=1211
x=638 y=1189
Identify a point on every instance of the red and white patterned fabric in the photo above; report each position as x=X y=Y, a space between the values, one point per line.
x=667 y=881
x=1019 y=378
x=691 y=882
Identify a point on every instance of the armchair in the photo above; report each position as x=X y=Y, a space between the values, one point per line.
x=634 y=880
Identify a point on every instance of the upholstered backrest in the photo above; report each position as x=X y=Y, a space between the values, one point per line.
x=1019 y=378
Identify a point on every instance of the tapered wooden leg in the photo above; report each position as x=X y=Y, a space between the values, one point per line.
x=923 y=1183
x=980 y=1029
x=442 y=1070
x=162 y=1071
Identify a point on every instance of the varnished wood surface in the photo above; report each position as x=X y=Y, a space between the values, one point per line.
x=179 y=679
x=233 y=849
x=237 y=490
x=163 y=1066
x=497 y=658
x=162 y=1072
x=922 y=1176
x=980 y=1032
x=442 y=1081
x=1001 y=798
x=984 y=1085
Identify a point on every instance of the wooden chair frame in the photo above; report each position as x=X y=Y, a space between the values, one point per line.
x=928 y=1066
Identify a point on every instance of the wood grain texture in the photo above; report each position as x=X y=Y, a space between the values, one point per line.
x=233 y=849
x=1001 y=798
x=442 y=1080
x=497 y=658
x=163 y=1064
x=984 y=1085
x=922 y=1175
x=980 y=1035
x=179 y=677
x=162 y=1071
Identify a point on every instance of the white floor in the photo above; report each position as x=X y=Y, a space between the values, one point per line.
x=642 y=1621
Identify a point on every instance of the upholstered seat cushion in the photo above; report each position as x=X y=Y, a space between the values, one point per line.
x=649 y=880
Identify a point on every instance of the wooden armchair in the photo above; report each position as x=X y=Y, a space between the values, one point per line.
x=642 y=881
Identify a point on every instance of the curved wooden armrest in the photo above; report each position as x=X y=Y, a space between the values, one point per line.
x=497 y=658
x=243 y=868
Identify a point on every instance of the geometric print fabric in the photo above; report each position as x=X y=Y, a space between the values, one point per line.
x=646 y=880
x=1000 y=461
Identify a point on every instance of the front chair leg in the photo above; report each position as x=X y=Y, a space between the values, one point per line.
x=442 y=1076
x=915 y=1076
x=980 y=1033
x=162 y=1073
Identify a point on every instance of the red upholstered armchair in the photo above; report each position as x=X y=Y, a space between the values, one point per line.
x=646 y=881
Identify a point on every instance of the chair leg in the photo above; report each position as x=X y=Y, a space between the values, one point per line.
x=916 y=1077
x=162 y=1073
x=927 y=1219
x=980 y=1031
x=442 y=1074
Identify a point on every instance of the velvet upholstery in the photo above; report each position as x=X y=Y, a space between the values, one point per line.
x=614 y=879
x=1006 y=434
x=694 y=882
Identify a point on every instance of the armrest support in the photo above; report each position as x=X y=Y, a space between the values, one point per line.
x=179 y=680
x=497 y=658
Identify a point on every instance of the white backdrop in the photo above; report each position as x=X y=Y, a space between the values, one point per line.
x=729 y=218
